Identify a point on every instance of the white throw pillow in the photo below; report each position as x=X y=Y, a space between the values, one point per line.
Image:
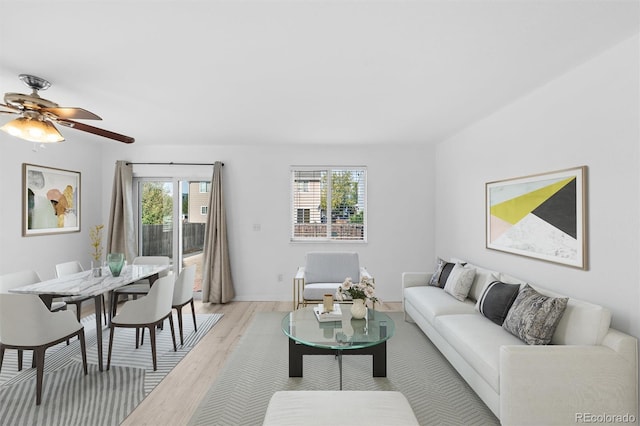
x=459 y=281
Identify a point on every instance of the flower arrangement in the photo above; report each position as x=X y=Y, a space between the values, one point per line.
x=364 y=290
x=95 y=235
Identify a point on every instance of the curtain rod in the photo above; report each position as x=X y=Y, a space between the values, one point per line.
x=174 y=164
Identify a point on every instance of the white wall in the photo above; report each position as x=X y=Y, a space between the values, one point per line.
x=41 y=253
x=257 y=191
x=589 y=116
x=256 y=180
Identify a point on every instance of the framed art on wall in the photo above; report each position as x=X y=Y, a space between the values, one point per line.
x=50 y=200
x=541 y=216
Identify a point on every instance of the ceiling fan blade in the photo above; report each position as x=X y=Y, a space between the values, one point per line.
x=96 y=131
x=14 y=110
x=75 y=113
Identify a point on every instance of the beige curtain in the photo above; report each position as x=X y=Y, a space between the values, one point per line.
x=122 y=236
x=217 y=285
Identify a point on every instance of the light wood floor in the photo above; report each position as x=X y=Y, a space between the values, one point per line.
x=176 y=398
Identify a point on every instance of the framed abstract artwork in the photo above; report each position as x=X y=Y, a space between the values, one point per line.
x=50 y=200
x=541 y=216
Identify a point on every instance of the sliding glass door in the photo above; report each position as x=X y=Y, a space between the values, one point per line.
x=156 y=218
x=172 y=220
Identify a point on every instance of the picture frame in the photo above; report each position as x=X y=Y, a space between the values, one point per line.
x=542 y=216
x=50 y=200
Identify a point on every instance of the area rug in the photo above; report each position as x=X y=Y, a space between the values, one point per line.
x=258 y=367
x=71 y=398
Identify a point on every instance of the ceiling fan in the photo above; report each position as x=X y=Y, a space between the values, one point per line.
x=37 y=115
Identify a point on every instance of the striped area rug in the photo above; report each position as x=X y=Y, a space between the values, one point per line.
x=71 y=398
x=258 y=367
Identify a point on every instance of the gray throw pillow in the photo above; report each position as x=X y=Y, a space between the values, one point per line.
x=440 y=275
x=459 y=281
x=534 y=317
x=496 y=300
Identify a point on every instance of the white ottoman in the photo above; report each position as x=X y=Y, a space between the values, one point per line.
x=345 y=408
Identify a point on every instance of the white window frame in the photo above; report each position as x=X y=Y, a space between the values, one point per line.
x=328 y=238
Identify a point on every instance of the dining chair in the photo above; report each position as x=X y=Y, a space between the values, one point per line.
x=183 y=295
x=26 y=324
x=26 y=277
x=70 y=268
x=18 y=279
x=147 y=312
x=139 y=288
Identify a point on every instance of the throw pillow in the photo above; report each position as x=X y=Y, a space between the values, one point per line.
x=440 y=275
x=534 y=317
x=459 y=281
x=495 y=301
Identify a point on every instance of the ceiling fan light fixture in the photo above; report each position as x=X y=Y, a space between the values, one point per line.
x=33 y=130
x=38 y=115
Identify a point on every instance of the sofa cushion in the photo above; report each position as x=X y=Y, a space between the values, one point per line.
x=477 y=340
x=533 y=317
x=582 y=323
x=440 y=275
x=433 y=301
x=316 y=291
x=459 y=281
x=510 y=279
x=481 y=280
x=496 y=300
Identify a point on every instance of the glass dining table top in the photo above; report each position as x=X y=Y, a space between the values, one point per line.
x=345 y=333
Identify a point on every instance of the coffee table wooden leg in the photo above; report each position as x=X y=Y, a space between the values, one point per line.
x=379 y=353
x=295 y=359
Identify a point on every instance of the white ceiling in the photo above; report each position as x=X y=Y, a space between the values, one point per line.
x=298 y=71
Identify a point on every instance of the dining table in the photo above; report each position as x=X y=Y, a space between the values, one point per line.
x=91 y=284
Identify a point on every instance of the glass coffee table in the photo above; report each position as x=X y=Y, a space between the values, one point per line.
x=345 y=336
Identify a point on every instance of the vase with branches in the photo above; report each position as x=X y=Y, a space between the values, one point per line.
x=95 y=235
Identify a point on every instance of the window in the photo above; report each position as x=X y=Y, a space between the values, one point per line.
x=328 y=203
x=204 y=210
x=304 y=216
x=204 y=187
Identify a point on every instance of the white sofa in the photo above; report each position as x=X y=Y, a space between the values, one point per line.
x=588 y=373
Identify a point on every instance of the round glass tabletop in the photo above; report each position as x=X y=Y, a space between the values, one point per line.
x=343 y=333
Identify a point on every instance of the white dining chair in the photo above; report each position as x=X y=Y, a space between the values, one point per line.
x=183 y=295
x=26 y=324
x=18 y=279
x=26 y=277
x=139 y=288
x=73 y=267
x=147 y=312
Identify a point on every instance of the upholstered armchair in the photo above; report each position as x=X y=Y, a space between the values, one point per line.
x=323 y=273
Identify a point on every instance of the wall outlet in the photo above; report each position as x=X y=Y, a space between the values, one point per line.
x=280 y=278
